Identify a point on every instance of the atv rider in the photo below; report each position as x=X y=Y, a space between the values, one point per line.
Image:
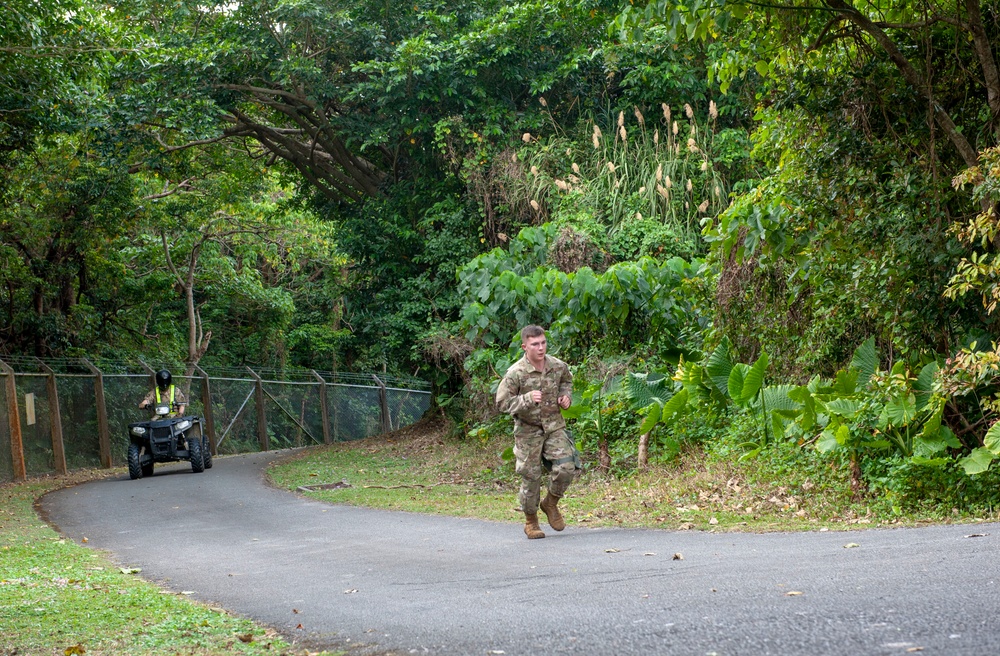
x=165 y=392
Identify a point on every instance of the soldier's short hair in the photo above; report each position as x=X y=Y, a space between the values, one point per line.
x=531 y=331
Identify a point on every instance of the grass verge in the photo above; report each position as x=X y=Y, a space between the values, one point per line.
x=425 y=468
x=58 y=597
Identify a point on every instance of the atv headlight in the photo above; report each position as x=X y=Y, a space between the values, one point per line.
x=183 y=425
x=138 y=430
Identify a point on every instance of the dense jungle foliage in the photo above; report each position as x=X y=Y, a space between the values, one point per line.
x=763 y=223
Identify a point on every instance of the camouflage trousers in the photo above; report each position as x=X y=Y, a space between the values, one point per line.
x=530 y=446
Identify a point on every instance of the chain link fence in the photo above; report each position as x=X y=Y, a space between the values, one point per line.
x=61 y=415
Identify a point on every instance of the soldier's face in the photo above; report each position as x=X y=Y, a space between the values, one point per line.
x=535 y=347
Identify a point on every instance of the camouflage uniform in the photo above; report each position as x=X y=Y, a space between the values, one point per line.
x=539 y=428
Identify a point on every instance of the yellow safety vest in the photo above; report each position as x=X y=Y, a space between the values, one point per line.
x=171 y=395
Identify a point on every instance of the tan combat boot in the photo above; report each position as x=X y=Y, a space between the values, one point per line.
x=531 y=528
x=550 y=508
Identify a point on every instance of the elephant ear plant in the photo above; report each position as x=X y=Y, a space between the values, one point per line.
x=866 y=412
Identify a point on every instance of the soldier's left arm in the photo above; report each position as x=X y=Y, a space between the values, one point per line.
x=566 y=382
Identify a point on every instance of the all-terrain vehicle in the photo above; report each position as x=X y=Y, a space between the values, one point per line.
x=167 y=439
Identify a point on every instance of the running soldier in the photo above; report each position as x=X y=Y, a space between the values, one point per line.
x=532 y=392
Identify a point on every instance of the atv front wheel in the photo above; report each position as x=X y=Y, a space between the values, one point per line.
x=194 y=448
x=135 y=470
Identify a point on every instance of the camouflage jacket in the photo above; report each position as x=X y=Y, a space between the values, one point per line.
x=514 y=393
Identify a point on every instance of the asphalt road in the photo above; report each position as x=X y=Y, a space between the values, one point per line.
x=405 y=583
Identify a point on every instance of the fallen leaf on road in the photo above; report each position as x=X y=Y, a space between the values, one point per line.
x=713 y=521
x=649 y=553
x=612 y=550
x=678 y=556
x=129 y=570
x=296 y=611
x=75 y=649
x=851 y=545
x=299 y=626
x=913 y=649
x=793 y=593
x=975 y=535
x=351 y=591
x=84 y=540
x=187 y=592
x=246 y=637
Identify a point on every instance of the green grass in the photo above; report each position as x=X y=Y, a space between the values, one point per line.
x=58 y=597
x=427 y=469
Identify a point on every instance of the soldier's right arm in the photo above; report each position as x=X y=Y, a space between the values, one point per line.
x=146 y=401
x=509 y=399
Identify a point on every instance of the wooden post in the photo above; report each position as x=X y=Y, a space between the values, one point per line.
x=383 y=399
x=323 y=407
x=14 y=419
x=261 y=414
x=103 y=434
x=206 y=402
x=55 y=419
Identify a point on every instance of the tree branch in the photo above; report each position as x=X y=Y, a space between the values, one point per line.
x=912 y=76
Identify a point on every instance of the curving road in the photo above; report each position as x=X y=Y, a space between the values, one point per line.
x=411 y=584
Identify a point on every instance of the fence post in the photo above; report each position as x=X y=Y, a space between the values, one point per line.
x=261 y=414
x=323 y=406
x=150 y=371
x=383 y=399
x=55 y=419
x=103 y=435
x=14 y=419
x=206 y=403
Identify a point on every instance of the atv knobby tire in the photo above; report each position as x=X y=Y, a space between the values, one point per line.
x=194 y=448
x=135 y=470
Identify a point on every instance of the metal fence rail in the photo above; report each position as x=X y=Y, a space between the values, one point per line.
x=60 y=415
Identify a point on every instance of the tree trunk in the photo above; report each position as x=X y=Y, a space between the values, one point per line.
x=603 y=456
x=643 y=458
x=965 y=149
x=858 y=487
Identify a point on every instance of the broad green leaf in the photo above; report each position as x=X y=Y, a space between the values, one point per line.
x=933 y=425
x=776 y=397
x=923 y=386
x=977 y=462
x=929 y=462
x=651 y=420
x=901 y=410
x=718 y=366
x=846 y=382
x=927 y=446
x=827 y=442
x=753 y=381
x=576 y=411
x=865 y=360
x=843 y=434
x=675 y=405
x=992 y=439
x=735 y=383
x=846 y=408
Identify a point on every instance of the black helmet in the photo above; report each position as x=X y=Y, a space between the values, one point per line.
x=163 y=379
